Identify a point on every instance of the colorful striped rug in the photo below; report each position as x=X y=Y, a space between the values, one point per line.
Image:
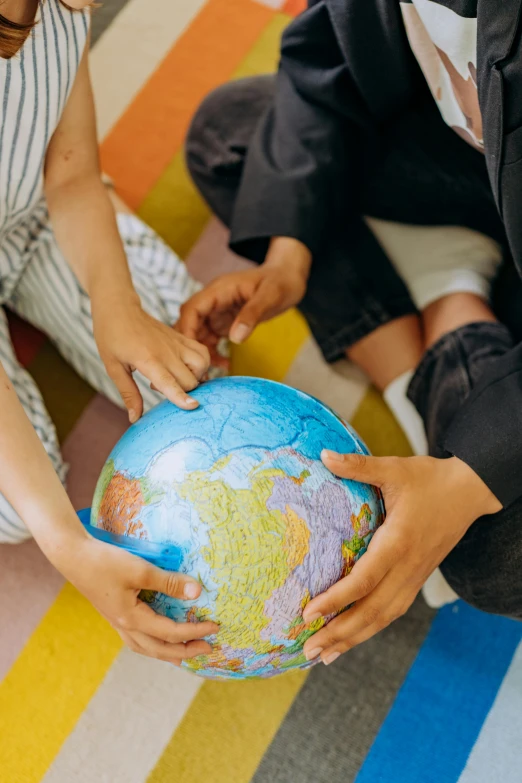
x=433 y=699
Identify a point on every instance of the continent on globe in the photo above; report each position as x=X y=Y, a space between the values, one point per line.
x=119 y=502
x=237 y=491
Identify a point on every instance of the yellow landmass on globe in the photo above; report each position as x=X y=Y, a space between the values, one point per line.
x=249 y=566
x=297 y=537
x=364 y=515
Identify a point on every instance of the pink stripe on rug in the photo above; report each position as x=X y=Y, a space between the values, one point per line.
x=211 y=257
x=86 y=449
x=28 y=586
x=28 y=582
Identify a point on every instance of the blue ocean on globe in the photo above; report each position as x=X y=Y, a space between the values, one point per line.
x=234 y=493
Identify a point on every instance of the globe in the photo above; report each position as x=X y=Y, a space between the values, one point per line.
x=234 y=493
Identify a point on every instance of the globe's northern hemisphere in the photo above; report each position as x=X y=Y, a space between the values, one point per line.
x=236 y=493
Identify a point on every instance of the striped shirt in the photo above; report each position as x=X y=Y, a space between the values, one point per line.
x=34 y=88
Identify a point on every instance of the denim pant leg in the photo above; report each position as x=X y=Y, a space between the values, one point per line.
x=485 y=568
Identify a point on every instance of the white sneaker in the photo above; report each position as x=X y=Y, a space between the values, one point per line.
x=437 y=592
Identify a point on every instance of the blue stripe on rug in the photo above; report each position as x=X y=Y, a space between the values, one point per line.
x=441 y=706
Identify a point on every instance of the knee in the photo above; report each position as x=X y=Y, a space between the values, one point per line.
x=485 y=568
x=206 y=146
x=221 y=128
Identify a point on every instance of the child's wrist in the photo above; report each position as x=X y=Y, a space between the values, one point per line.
x=290 y=254
x=61 y=540
x=479 y=498
x=113 y=296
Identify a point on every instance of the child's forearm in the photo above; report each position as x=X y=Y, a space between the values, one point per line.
x=81 y=212
x=28 y=480
x=85 y=226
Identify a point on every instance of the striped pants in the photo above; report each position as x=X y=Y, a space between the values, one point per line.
x=49 y=296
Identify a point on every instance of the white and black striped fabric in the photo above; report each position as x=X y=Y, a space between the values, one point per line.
x=35 y=280
x=34 y=88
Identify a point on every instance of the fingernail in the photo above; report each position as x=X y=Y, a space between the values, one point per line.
x=223 y=348
x=191 y=402
x=312 y=654
x=191 y=590
x=240 y=333
x=333 y=456
x=133 y=416
x=312 y=617
x=331 y=658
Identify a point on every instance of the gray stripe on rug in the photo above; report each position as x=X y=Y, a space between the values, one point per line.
x=340 y=709
x=103 y=16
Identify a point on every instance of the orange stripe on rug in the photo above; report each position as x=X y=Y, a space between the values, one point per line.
x=173 y=207
x=143 y=142
x=294 y=7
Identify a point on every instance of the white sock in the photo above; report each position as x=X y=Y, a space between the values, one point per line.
x=435 y=261
x=406 y=413
x=436 y=591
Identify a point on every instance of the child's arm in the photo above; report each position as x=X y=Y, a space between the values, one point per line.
x=85 y=226
x=109 y=577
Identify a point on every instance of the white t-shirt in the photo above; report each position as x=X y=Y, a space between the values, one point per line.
x=443 y=38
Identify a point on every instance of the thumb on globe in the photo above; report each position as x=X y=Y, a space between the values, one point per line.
x=171 y=583
x=358 y=467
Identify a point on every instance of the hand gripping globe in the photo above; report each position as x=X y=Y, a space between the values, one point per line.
x=235 y=494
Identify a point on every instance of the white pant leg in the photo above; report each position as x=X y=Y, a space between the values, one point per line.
x=435 y=261
x=50 y=297
x=12 y=529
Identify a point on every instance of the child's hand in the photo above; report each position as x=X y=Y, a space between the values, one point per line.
x=109 y=577
x=129 y=339
x=430 y=505
x=234 y=304
x=111 y=580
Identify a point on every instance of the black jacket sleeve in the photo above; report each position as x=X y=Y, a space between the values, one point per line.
x=487 y=432
x=297 y=166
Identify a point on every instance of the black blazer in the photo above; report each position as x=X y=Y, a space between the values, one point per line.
x=346 y=68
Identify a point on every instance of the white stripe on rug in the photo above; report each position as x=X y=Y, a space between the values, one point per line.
x=131 y=49
x=127 y=724
x=497 y=753
x=276 y=4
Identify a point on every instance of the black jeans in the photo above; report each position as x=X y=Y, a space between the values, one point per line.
x=421 y=173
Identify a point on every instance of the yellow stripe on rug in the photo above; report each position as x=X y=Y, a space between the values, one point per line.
x=173 y=207
x=264 y=56
x=377 y=426
x=51 y=683
x=225 y=734
x=270 y=351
